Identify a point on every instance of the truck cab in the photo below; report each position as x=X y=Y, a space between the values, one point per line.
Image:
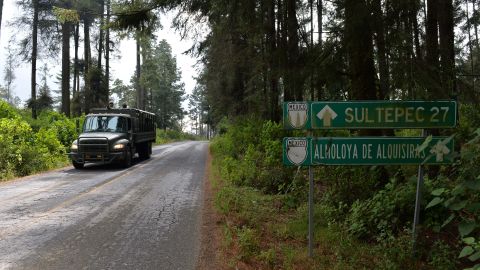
x=114 y=136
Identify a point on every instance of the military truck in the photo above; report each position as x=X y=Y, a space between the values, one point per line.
x=114 y=136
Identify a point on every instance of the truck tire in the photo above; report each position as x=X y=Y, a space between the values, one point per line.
x=77 y=165
x=145 y=150
x=148 y=149
x=127 y=159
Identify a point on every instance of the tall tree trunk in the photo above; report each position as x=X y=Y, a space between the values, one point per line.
x=107 y=50
x=320 y=80
x=409 y=49
x=86 y=47
x=358 y=36
x=1 y=9
x=293 y=80
x=472 y=64
x=312 y=73
x=66 y=28
x=447 y=49
x=77 y=110
x=359 y=45
x=75 y=60
x=431 y=44
x=100 y=41
x=288 y=93
x=144 y=47
x=475 y=26
x=381 y=50
x=272 y=61
x=413 y=17
x=34 y=59
x=88 y=99
x=320 y=21
x=265 y=111
x=140 y=94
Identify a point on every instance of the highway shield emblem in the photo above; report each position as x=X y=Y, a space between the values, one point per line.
x=297 y=114
x=297 y=150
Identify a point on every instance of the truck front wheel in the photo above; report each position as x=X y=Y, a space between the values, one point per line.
x=77 y=165
x=127 y=159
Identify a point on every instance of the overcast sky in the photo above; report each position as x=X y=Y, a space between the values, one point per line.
x=121 y=68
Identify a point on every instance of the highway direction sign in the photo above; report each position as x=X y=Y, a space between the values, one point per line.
x=366 y=151
x=370 y=114
x=296 y=115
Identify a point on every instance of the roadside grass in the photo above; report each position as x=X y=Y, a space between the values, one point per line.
x=168 y=136
x=262 y=232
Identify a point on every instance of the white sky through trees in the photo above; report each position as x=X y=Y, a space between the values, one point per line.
x=122 y=67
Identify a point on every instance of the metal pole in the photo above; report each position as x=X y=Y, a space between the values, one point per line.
x=310 y=213
x=418 y=199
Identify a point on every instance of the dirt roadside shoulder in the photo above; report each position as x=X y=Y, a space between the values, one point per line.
x=210 y=231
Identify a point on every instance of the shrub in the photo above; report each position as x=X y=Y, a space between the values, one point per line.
x=248 y=243
x=385 y=214
x=25 y=151
x=459 y=201
x=64 y=127
x=14 y=135
x=250 y=154
x=7 y=111
x=166 y=136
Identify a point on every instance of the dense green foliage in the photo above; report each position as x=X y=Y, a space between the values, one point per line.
x=28 y=146
x=251 y=153
x=170 y=135
x=366 y=207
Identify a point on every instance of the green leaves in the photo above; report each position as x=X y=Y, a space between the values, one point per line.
x=473 y=184
x=438 y=192
x=435 y=201
x=475 y=256
x=449 y=219
x=66 y=15
x=469 y=240
x=467 y=250
x=466 y=227
x=25 y=149
x=470 y=250
x=458 y=205
x=425 y=144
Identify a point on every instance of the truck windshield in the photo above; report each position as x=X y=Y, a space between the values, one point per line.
x=105 y=124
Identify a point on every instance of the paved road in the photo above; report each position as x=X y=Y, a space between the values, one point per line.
x=104 y=217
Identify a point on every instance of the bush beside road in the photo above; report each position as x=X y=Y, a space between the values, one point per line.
x=363 y=215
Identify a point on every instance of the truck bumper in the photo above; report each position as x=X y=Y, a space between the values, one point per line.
x=103 y=158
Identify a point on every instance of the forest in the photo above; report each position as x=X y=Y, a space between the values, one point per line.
x=255 y=55
x=51 y=30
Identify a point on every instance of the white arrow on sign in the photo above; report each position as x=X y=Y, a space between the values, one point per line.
x=327 y=115
x=439 y=150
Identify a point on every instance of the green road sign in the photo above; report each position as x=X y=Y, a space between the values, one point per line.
x=369 y=114
x=366 y=151
x=296 y=115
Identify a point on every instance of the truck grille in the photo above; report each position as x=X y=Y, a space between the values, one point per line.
x=93 y=145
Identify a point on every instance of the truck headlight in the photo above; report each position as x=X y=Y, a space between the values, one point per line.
x=118 y=146
x=74 y=146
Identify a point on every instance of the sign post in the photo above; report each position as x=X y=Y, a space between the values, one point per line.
x=418 y=199
x=310 y=212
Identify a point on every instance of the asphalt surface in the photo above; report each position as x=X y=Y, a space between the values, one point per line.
x=105 y=217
